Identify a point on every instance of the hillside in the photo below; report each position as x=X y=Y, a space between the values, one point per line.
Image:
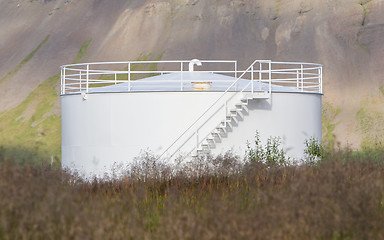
x=37 y=36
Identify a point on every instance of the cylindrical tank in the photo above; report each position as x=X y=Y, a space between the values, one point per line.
x=108 y=121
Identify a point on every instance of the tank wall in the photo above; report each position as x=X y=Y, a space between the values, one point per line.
x=293 y=117
x=110 y=130
x=113 y=129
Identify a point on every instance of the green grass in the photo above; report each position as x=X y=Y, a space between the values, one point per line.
x=40 y=133
x=370 y=124
x=364 y=5
x=24 y=61
x=329 y=114
x=82 y=51
x=31 y=132
x=381 y=89
x=278 y=6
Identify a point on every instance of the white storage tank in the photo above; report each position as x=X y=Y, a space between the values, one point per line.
x=113 y=112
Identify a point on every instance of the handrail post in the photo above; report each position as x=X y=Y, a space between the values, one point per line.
x=252 y=80
x=321 y=79
x=87 y=86
x=181 y=76
x=61 y=80
x=129 y=77
x=260 y=74
x=297 y=79
x=80 y=80
x=236 y=75
x=302 y=78
x=64 y=80
x=115 y=79
x=270 y=77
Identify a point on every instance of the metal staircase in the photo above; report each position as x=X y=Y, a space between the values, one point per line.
x=231 y=105
x=221 y=130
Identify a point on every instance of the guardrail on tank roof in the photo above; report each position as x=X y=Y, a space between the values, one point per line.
x=87 y=77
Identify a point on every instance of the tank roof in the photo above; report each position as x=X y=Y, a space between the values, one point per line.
x=191 y=81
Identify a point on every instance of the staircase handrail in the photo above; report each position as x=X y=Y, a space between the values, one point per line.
x=214 y=103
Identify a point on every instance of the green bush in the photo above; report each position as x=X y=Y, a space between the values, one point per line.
x=314 y=150
x=271 y=154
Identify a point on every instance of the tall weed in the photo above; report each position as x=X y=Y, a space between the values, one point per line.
x=225 y=198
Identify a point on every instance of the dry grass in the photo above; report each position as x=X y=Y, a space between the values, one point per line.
x=336 y=199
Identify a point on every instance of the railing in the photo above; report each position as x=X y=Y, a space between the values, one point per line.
x=85 y=77
x=194 y=129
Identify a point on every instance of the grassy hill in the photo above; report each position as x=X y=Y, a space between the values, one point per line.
x=346 y=36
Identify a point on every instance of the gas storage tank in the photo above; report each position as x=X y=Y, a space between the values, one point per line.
x=112 y=112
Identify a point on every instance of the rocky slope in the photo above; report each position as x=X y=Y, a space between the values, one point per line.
x=37 y=36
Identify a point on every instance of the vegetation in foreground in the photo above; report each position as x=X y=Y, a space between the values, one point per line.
x=341 y=197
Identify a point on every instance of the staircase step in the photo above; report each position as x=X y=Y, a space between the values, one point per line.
x=222 y=129
x=235 y=119
x=255 y=95
x=200 y=151
x=240 y=108
x=241 y=104
x=226 y=123
x=235 y=112
x=205 y=146
x=216 y=134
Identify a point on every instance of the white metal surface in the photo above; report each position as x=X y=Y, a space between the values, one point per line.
x=110 y=121
x=114 y=128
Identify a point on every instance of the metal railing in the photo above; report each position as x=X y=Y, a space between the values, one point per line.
x=85 y=77
x=211 y=111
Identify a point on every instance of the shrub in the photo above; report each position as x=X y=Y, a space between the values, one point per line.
x=271 y=154
x=314 y=150
x=338 y=199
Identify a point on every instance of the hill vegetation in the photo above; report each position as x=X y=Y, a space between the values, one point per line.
x=32 y=131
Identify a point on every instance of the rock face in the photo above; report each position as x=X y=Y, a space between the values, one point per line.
x=346 y=36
